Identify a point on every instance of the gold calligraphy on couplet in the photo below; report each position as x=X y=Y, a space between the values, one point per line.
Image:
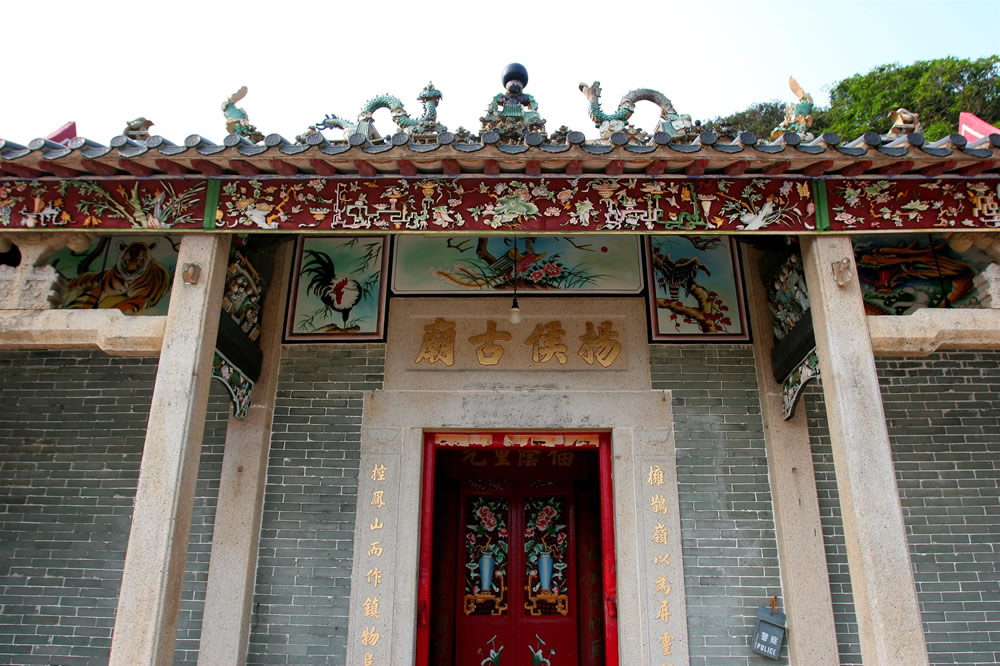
x=370 y=607
x=655 y=478
x=598 y=344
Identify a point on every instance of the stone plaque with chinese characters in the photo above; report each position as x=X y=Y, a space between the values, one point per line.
x=437 y=343
x=373 y=577
x=661 y=587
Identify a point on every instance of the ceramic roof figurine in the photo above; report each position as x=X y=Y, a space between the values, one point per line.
x=236 y=118
x=138 y=129
x=798 y=115
x=513 y=113
x=671 y=122
x=904 y=121
x=422 y=130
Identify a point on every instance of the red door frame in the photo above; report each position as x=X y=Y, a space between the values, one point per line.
x=607 y=546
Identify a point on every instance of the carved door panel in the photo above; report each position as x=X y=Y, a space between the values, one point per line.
x=516 y=577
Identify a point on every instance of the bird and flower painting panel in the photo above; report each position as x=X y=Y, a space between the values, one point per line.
x=338 y=290
x=531 y=264
x=695 y=290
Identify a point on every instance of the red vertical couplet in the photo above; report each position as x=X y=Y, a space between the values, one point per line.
x=608 y=555
x=426 y=545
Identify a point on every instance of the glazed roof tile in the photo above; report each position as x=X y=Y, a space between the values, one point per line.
x=869 y=153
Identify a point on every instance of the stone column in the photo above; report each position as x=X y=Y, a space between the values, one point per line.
x=885 y=600
x=233 y=564
x=146 y=622
x=812 y=634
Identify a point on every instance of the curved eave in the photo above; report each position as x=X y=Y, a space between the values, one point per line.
x=198 y=157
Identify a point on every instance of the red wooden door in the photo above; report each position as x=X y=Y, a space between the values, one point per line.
x=516 y=574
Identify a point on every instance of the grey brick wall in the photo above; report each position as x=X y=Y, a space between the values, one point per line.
x=72 y=426
x=943 y=416
x=307 y=537
x=727 y=522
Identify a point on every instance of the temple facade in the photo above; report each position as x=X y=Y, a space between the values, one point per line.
x=514 y=397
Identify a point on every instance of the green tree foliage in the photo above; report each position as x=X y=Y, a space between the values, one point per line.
x=938 y=90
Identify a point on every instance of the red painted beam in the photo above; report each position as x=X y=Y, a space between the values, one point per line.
x=778 y=168
x=365 y=169
x=978 y=168
x=243 y=168
x=60 y=170
x=207 y=168
x=284 y=168
x=656 y=168
x=100 y=168
x=21 y=170
x=896 y=168
x=135 y=168
x=451 y=167
x=574 y=168
x=171 y=167
x=533 y=168
x=938 y=169
x=696 y=168
x=736 y=168
x=491 y=168
x=817 y=169
x=856 y=169
x=323 y=168
x=615 y=168
x=406 y=168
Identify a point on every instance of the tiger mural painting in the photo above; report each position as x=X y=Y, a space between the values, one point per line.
x=136 y=282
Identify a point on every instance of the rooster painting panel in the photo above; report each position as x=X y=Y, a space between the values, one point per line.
x=695 y=289
x=338 y=289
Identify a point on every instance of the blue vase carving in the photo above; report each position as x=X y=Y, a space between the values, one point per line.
x=486 y=565
x=545 y=571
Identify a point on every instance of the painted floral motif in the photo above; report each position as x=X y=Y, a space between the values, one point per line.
x=487 y=535
x=538 y=657
x=243 y=295
x=545 y=532
x=238 y=384
x=807 y=370
x=493 y=658
x=266 y=205
x=87 y=204
x=788 y=298
x=895 y=204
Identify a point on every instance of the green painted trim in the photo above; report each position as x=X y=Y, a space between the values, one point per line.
x=211 y=203
x=822 y=209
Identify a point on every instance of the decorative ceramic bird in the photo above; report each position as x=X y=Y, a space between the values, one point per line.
x=335 y=291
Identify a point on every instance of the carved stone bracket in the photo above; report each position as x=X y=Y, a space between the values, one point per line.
x=808 y=369
x=238 y=384
x=988 y=286
x=34 y=285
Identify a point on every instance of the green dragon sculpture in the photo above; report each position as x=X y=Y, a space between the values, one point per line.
x=422 y=129
x=798 y=116
x=671 y=122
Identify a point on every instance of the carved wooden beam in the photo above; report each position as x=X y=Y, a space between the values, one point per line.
x=574 y=168
x=323 y=168
x=978 y=168
x=491 y=168
x=937 y=169
x=736 y=168
x=856 y=169
x=135 y=168
x=171 y=167
x=100 y=168
x=284 y=168
x=656 y=168
x=696 y=168
x=243 y=168
x=60 y=170
x=451 y=167
x=896 y=168
x=615 y=168
x=406 y=168
x=778 y=168
x=817 y=169
x=533 y=168
x=21 y=170
x=207 y=168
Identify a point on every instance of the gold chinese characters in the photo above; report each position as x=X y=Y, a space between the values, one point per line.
x=599 y=344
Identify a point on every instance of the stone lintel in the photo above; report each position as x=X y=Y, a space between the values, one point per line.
x=929 y=330
x=111 y=331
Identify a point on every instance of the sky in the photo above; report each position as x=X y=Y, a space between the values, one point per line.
x=102 y=64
